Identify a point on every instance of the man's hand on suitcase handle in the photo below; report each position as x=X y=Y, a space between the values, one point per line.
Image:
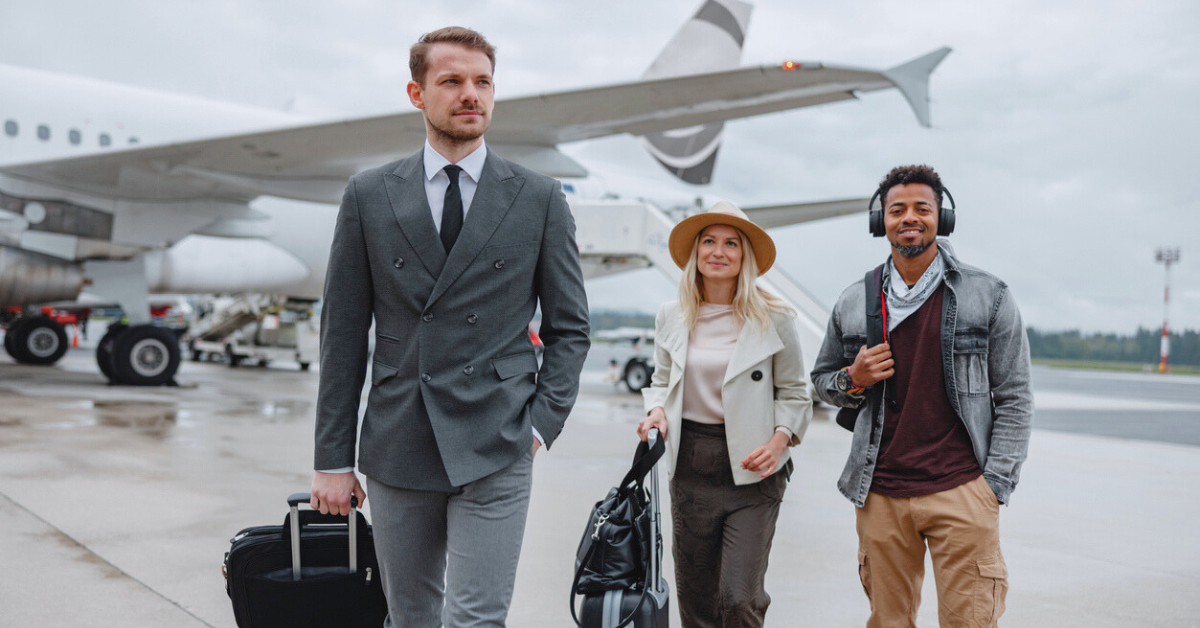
x=331 y=492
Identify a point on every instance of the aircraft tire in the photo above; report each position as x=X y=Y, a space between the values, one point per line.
x=105 y=348
x=637 y=376
x=10 y=337
x=145 y=355
x=40 y=340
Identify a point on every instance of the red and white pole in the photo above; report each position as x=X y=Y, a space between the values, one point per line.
x=1167 y=256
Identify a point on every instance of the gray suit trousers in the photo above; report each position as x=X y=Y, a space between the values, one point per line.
x=450 y=558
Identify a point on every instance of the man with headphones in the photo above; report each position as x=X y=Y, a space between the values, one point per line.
x=930 y=356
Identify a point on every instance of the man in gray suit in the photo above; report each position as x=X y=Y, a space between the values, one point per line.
x=450 y=250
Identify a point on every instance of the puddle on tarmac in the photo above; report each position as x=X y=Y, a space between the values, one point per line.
x=142 y=415
x=274 y=410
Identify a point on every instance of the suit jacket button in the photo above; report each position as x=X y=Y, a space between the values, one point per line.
x=425 y=377
x=499 y=264
x=399 y=263
x=470 y=369
x=756 y=375
x=472 y=318
x=428 y=317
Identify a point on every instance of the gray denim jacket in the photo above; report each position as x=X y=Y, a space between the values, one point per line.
x=985 y=355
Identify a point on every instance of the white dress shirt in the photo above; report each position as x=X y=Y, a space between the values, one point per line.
x=436 y=184
x=437 y=181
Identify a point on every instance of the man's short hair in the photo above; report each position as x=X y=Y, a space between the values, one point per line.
x=904 y=175
x=449 y=35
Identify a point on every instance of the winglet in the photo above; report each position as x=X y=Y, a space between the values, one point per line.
x=912 y=79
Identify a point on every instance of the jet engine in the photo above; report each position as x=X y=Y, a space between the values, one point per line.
x=29 y=278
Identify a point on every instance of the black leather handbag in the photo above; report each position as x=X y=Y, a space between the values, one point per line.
x=617 y=563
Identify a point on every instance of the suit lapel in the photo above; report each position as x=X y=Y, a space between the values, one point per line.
x=752 y=347
x=406 y=191
x=497 y=189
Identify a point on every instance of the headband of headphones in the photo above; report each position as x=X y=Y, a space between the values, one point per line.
x=945 y=215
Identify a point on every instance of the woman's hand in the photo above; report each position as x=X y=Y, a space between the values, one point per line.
x=656 y=419
x=766 y=457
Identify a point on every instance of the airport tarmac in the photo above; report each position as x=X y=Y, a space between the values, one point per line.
x=117 y=503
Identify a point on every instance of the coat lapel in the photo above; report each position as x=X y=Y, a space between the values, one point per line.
x=406 y=191
x=752 y=347
x=497 y=189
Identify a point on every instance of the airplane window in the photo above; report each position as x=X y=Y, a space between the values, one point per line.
x=105 y=140
x=43 y=132
x=74 y=136
x=133 y=140
x=10 y=128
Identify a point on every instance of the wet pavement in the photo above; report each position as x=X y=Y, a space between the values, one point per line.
x=117 y=503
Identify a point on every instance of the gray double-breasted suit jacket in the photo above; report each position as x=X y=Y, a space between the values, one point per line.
x=455 y=385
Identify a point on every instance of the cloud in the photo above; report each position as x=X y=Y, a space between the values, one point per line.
x=1065 y=129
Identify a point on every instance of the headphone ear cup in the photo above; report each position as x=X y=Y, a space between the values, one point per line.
x=875 y=220
x=945 y=221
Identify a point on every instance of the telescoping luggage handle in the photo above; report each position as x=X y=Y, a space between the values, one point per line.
x=654 y=518
x=294 y=500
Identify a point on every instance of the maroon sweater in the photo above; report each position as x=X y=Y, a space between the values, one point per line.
x=925 y=448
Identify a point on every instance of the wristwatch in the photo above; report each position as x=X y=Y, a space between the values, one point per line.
x=843 y=380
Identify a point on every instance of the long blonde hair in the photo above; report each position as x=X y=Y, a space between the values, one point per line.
x=750 y=302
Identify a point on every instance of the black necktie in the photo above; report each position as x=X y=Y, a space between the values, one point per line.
x=452 y=210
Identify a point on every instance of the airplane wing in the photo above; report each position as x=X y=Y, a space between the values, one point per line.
x=312 y=162
x=769 y=216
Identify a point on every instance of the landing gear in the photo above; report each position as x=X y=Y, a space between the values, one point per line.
x=104 y=351
x=36 y=340
x=139 y=355
x=637 y=375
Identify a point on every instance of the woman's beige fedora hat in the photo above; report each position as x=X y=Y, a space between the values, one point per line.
x=723 y=213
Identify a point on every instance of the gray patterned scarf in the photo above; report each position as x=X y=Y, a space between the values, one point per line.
x=902 y=301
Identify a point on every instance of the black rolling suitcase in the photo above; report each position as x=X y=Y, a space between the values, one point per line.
x=625 y=602
x=315 y=570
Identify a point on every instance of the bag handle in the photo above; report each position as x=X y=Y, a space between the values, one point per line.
x=644 y=459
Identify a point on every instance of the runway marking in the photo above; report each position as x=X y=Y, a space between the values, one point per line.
x=1043 y=400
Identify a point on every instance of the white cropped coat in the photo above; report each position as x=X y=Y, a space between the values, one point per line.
x=764 y=387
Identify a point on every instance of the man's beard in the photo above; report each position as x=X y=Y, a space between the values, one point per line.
x=467 y=135
x=911 y=250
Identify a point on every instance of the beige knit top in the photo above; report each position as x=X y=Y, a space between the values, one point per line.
x=709 y=348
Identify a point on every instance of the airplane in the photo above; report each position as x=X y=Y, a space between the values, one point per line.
x=111 y=193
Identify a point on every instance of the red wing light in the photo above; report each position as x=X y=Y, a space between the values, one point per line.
x=791 y=65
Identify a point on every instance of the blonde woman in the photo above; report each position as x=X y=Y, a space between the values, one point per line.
x=729 y=395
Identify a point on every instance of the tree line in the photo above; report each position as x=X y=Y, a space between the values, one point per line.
x=1143 y=346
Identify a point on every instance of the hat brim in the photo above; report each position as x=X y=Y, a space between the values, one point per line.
x=684 y=235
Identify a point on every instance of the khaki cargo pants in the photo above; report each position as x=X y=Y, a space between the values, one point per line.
x=962 y=528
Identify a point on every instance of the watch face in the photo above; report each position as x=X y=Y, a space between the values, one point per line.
x=843 y=381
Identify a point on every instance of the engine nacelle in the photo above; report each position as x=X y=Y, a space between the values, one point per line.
x=29 y=278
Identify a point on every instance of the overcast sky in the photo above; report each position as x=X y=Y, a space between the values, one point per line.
x=1066 y=129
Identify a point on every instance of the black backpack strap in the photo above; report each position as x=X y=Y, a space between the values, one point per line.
x=873 y=283
x=873 y=303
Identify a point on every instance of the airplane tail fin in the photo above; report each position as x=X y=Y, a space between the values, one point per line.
x=711 y=41
x=912 y=79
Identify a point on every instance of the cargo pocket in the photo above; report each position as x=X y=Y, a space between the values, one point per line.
x=990 y=591
x=864 y=576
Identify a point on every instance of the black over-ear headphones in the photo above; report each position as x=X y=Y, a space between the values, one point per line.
x=945 y=216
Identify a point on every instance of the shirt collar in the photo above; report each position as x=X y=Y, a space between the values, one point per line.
x=472 y=164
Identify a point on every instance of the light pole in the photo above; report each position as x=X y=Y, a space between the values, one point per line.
x=1166 y=256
